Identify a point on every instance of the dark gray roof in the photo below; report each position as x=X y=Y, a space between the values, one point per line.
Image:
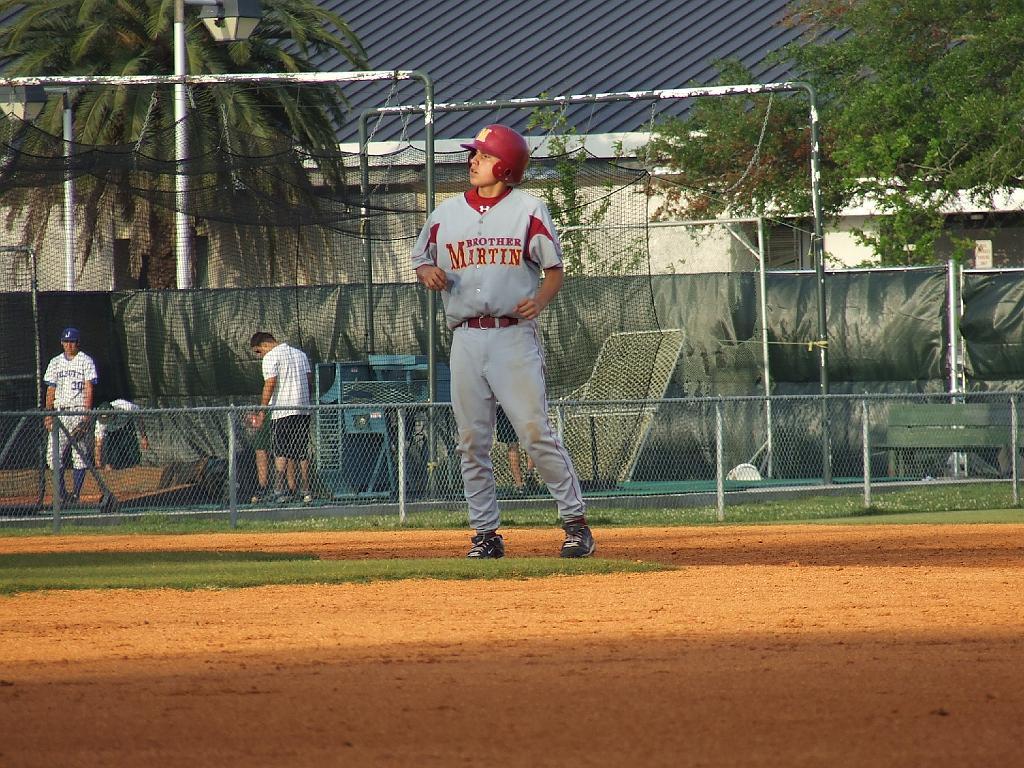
x=504 y=49
x=508 y=49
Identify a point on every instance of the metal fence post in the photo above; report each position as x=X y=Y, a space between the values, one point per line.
x=401 y=466
x=866 y=441
x=719 y=461
x=232 y=470
x=57 y=474
x=1014 y=451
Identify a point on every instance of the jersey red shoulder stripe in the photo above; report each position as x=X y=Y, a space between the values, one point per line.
x=537 y=229
x=432 y=241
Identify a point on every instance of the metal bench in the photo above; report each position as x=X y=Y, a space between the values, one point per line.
x=953 y=427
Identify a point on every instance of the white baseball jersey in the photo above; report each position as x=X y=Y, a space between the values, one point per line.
x=492 y=254
x=290 y=367
x=68 y=377
x=492 y=260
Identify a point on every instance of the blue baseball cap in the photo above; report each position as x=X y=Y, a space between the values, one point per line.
x=70 y=334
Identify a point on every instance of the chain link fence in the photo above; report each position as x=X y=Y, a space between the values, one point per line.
x=372 y=457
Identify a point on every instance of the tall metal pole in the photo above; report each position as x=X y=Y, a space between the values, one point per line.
x=765 y=359
x=69 y=196
x=182 y=240
x=428 y=139
x=953 y=323
x=364 y=227
x=36 y=335
x=818 y=251
x=818 y=241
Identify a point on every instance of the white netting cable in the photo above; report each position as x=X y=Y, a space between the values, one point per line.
x=380 y=115
x=384 y=179
x=145 y=121
x=756 y=156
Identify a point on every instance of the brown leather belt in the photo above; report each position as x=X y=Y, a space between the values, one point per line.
x=489 y=322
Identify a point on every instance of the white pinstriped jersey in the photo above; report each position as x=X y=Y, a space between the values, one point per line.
x=492 y=260
x=68 y=377
x=290 y=367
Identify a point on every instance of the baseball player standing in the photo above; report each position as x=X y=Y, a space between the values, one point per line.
x=485 y=251
x=70 y=378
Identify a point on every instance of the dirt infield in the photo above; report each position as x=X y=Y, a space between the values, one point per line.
x=783 y=645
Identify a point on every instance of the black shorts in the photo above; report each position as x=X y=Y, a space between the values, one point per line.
x=506 y=432
x=261 y=439
x=291 y=436
x=121 y=448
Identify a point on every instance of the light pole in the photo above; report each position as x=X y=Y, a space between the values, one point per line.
x=227 y=21
x=26 y=103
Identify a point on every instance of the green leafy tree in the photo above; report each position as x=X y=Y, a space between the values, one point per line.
x=920 y=104
x=745 y=155
x=134 y=37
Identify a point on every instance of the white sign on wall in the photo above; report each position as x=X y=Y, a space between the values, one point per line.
x=983 y=254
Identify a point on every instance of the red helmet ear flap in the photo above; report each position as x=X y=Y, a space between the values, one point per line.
x=502 y=172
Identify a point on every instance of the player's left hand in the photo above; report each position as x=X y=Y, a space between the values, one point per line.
x=432 y=277
x=529 y=309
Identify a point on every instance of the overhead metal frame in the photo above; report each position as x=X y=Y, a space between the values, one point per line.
x=182 y=249
x=429 y=109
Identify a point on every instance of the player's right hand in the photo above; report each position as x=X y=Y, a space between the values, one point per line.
x=432 y=277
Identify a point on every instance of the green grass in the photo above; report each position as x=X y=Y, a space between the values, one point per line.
x=923 y=503
x=926 y=503
x=877 y=517
x=193 y=570
x=229 y=570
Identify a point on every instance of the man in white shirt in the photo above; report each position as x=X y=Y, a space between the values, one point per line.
x=287 y=381
x=116 y=446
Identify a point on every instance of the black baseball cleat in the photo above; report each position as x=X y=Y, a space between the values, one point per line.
x=487 y=546
x=579 y=541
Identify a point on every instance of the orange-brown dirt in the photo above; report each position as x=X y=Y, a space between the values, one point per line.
x=786 y=645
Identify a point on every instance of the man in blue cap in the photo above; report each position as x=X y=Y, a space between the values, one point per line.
x=70 y=381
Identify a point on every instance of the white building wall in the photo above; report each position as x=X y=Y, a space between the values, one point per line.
x=842 y=250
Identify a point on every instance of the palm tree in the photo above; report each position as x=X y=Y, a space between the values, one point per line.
x=286 y=128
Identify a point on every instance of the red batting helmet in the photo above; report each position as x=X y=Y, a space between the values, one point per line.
x=509 y=147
